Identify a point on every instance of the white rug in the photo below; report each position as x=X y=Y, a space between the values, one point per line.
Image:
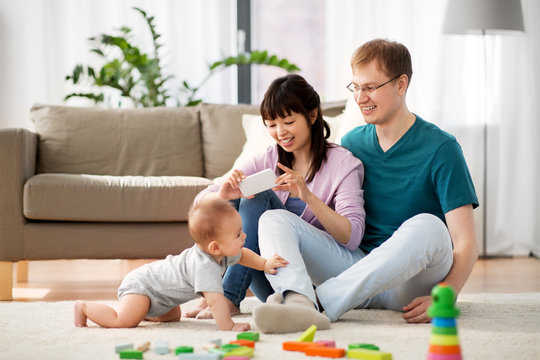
x=492 y=326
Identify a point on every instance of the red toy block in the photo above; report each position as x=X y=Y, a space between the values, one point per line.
x=444 y=349
x=325 y=352
x=299 y=345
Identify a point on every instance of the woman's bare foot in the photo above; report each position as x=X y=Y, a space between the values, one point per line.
x=207 y=313
x=201 y=305
x=80 y=318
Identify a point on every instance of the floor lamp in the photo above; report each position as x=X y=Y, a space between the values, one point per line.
x=483 y=17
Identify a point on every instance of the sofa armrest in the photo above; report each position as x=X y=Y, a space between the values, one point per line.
x=17 y=163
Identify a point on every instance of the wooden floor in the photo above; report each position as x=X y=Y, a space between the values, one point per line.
x=98 y=279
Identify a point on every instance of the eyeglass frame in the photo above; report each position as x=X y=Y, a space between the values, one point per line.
x=370 y=88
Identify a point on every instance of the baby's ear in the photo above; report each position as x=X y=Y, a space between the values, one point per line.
x=214 y=248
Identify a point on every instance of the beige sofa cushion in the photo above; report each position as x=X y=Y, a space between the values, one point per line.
x=153 y=142
x=69 y=197
x=223 y=135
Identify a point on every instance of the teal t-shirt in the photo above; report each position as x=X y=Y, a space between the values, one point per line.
x=424 y=172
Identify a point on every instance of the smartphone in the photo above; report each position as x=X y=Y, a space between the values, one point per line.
x=258 y=182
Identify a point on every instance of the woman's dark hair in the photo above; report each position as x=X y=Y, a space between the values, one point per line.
x=292 y=93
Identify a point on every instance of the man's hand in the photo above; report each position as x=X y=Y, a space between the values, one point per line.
x=416 y=311
x=273 y=263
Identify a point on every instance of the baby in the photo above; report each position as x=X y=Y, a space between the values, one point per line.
x=155 y=291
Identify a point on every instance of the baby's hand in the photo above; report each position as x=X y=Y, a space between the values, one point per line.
x=241 y=327
x=273 y=263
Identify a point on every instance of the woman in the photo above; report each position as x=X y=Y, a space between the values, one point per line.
x=318 y=184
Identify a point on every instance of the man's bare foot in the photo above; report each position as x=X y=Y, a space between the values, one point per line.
x=207 y=313
x=80 y=318
x=201 y=305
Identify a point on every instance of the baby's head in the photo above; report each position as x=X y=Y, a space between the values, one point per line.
x=216 y=227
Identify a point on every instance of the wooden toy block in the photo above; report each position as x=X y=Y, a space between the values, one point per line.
x=243 y=342
x=131 y=354
x=435 y=339
x=144 y=347
x=208 y=346
x=183 y=350
x=308 y=335
x=219 y=351
x=325 y=352
x=203 y=356
x=368 y=354
x=161 y=347
x=248 y=335
x=442 y=349
x=216 y=341
x=444 y=357
x=327 y=343
x=364 y=346
x=299 y=345
x=242 y=351
x=237 y=358
x=124 y=346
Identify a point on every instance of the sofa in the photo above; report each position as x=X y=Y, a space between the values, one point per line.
x=96 y=183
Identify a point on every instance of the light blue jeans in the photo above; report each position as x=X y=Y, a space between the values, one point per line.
x=407 y=265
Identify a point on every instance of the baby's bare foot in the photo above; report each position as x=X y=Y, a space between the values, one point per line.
x=207 y=313
x=201 y=305
x=80 y=318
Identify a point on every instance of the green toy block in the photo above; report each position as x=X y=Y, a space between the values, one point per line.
x=363 y=346
x=248 y=335
x=183 y=350
x=230 y=347
x=308 y=335
x=368 y=354
x=131 y=354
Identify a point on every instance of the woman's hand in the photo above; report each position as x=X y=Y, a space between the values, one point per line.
x=292 y=182
x=230 y=190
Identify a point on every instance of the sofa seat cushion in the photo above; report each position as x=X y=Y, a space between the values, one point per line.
x=103 y=198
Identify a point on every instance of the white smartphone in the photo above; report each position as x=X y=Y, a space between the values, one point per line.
x=258 y=182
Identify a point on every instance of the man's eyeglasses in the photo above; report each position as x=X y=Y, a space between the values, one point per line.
x=352 y=87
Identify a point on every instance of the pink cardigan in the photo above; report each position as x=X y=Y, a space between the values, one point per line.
x=338 y=183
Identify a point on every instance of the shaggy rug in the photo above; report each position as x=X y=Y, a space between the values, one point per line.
x=491 y=326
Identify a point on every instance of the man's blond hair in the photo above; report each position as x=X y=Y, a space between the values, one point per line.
x=206 y=217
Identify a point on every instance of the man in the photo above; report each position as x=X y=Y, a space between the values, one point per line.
x=412 y=168
x=419 y=199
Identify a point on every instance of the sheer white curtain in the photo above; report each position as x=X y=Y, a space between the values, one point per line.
x=447 y=89
x=42 y=41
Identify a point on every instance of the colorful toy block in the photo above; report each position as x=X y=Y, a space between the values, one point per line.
x=183 y=350
x=131 y=354
x=368 y=354
x=325 y=351
x=308 y=335
x=161 y=347
x=243 y=342
x=208 y=346
x=124 y=346
x=237 y=358
x=216 y=341
x=248 y=335
x=298 y=345
x=242 y=351
x=327 y=343
x=144 y=347
x=203 y=356
x=443 y=341
x=363 y=346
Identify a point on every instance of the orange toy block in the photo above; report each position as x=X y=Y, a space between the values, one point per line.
x=325 y=352
x=244 y=342
x=299 y=345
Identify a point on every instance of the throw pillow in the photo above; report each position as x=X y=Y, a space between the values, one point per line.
x=352 y=117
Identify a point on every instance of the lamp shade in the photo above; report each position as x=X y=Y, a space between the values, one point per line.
x=480 y=16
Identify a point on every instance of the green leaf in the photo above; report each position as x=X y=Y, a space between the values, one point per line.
x=193 y=102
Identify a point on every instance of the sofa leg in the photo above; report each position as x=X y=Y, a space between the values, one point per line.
x=6 y=280
x=22 y=271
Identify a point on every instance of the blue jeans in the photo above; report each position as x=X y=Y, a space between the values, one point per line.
x=239 y=278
